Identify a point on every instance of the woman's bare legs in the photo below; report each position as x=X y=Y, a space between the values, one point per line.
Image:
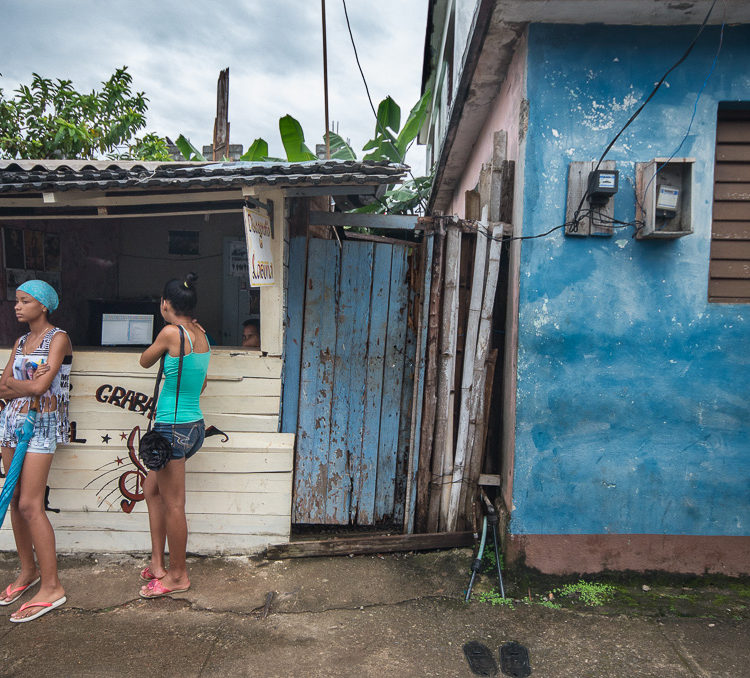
x=35 y=524
x=171 y=487
x=21 y=533
x=157 y=524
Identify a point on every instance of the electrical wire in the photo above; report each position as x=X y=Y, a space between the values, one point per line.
x=648 y=98
x=692 y=118
x=378 y=124
x=638 y=225
x=605 y=220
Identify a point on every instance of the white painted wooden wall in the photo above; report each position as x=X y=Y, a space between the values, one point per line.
x=238 y=492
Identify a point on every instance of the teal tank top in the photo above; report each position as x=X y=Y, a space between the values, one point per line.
x=194 y=369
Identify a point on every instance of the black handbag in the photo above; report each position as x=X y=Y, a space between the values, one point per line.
x=154 y=450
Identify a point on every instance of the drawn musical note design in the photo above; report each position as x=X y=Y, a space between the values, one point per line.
x=128 y=483
x=132 y=494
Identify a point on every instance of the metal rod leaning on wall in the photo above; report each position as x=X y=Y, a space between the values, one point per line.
x=463 y=442
x=473 y=461
x=427 y=424
x=442 y=456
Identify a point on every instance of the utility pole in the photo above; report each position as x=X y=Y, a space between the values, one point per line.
x=325 y=78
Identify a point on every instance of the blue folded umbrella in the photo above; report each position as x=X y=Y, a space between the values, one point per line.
x=25 y=434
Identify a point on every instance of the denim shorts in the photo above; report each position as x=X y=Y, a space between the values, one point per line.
x=187 y=439
x=44 y=440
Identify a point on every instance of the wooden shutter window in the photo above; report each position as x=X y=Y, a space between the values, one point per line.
x=729 y=270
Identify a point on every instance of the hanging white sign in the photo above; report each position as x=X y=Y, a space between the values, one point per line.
x=259 y=255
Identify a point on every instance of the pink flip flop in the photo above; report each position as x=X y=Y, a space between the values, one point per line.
x=155 y=589
x=46 y=607
x=18 y=590
x=147 y=575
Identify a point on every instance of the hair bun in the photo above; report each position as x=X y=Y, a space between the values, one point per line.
x=190 y=279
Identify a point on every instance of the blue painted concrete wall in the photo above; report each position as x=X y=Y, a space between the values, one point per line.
x=633 y=410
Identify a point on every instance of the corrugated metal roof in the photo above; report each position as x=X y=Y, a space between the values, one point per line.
x=23 y=176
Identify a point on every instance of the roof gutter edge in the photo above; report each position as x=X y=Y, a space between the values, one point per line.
x=479 y=29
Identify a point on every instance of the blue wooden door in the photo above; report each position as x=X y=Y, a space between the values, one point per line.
x=354 y=353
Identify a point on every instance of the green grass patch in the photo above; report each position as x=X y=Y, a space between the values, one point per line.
x=590 y=594
x=494 y=598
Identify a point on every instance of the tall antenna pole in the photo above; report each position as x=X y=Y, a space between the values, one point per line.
x=325 y=78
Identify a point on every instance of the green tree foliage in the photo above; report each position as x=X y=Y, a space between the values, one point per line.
x=50 y=119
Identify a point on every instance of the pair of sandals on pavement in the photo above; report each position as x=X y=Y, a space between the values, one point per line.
x=13 y=594
x=154 y=587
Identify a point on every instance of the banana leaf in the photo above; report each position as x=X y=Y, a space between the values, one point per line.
x=189 y=152
x=257 y=152
x=293 y=139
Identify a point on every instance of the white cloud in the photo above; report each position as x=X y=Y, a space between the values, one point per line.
x=175 y=50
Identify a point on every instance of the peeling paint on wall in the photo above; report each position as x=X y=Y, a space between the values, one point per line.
x=632 y=410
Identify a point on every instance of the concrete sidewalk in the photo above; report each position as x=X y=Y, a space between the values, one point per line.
x=392 y=615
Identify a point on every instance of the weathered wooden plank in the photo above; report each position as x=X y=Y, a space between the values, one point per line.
x=732 y=171
x=734 y=191
x=730 y=250
x=350 y=235
x=415 y=437
x=371 y=544
x=392 y=381
x=729 y=268
x=733 y=132
x=118 y=521
x=316 y=382
x=401 y=222
x=108 y=499
x=464 y=439
x=427 y=426
x=77 y=479
x=577 y=177
x=205 y=461
x=121 y=420
x=375 y=365
x=731 y=230
x=591 y=224
x=81 y=541
x=733 y=152
x=411 y=321
x=729 y=289
x=442 y=461
x=224 y=404
x=293 y=337
x=347 y=411
x=224 y=362
x=245 y=442
x=88 y=385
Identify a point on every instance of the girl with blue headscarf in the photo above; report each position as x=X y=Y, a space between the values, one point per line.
x=39 y=366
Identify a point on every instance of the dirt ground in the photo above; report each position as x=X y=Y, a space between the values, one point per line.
x=384 y=615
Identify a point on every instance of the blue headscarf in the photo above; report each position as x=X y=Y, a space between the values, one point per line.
x=43 y=292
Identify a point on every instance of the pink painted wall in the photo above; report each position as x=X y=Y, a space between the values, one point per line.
x=505 y=114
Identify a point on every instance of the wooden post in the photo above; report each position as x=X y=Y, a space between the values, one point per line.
x=483 y=343
x=443 y=447
x=430 y=386
x=423 y=305
x=221 y=123
x=462 y=440
x=475 y=456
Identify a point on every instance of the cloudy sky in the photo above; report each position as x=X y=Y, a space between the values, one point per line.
x=176 y=48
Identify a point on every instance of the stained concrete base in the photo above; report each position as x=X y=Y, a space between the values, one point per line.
x=366 y=616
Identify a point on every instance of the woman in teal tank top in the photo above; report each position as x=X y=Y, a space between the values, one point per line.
x=180 y=420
